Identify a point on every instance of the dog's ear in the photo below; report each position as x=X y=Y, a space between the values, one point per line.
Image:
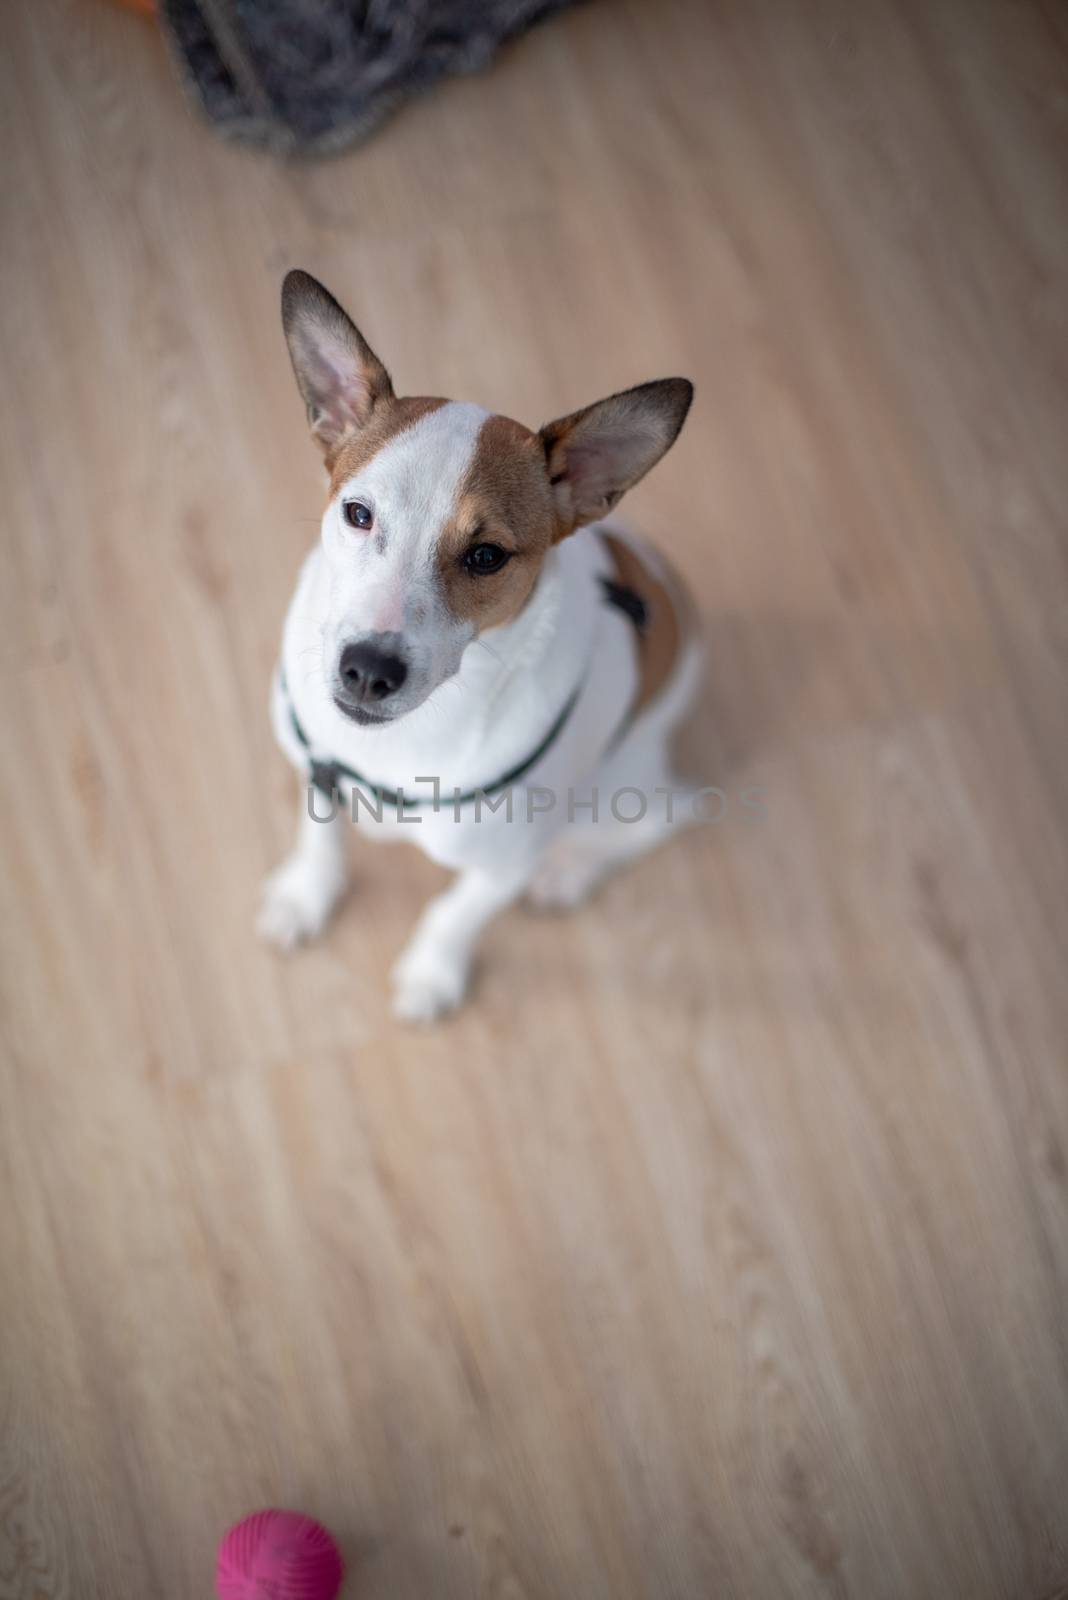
x=594 y=456
x=597 y=455
x=339 y=375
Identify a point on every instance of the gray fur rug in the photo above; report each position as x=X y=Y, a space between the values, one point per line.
x=315 y=75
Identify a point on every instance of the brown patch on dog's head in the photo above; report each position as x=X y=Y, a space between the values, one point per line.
x=506 y=500
x=356 y=447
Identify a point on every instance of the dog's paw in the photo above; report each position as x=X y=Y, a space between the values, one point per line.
x=298 y=900
x=565 y=878
x=427 y=985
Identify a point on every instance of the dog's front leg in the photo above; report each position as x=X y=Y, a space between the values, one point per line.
x=300 y=895
x=431 y=976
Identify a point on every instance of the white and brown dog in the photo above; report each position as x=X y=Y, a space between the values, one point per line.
x=471 y=661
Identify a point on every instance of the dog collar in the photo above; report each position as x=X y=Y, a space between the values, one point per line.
x=326 y=775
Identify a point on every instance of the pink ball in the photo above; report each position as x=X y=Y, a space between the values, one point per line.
x=278 y=1555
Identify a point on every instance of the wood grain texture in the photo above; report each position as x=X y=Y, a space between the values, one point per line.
x=720 y=1248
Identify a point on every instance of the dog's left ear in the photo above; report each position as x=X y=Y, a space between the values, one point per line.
x=594 y=456
x=339 y=375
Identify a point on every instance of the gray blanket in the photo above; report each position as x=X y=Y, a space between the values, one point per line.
x=314 y=75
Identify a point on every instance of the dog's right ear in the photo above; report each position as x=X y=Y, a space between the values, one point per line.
x=339 y=375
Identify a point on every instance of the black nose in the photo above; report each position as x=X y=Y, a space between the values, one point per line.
x=368 y=673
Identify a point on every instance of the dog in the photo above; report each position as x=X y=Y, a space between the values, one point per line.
x=474 y=659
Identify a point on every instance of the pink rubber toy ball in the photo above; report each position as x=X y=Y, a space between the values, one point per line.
x=278 y=1555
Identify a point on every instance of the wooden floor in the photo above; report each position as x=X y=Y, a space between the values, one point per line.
x=720 y=1248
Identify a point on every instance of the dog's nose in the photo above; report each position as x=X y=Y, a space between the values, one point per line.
x=369 y=673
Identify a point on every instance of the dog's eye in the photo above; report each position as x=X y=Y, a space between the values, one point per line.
x=485 y=558
x=357 y=515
